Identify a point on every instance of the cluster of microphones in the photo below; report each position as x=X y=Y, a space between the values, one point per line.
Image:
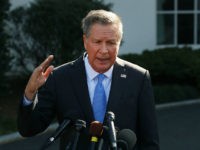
x=124 y=139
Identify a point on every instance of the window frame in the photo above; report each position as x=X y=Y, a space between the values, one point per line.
x=175 y=13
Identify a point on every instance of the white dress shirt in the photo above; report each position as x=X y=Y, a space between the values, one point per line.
x=92 y=79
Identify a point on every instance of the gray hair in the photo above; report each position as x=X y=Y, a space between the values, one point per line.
x=101 y=17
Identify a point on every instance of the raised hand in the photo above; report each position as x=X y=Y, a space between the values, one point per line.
x=38 y=78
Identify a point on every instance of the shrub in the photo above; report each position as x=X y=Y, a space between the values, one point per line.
x=171 y=93
x=173 y=70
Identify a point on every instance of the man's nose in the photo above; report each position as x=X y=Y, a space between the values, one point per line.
x=104 y=48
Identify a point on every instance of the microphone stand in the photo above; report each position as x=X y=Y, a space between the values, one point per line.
x=112 y=132
x=79 y=126
x=59 y=131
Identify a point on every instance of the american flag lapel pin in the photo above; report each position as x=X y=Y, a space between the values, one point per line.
x=123 y=75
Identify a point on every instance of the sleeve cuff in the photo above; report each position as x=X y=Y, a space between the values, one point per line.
x=26 y=102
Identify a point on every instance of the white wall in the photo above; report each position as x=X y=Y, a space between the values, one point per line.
x=139 y=20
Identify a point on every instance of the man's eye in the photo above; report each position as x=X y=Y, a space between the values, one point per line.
x=112 y=43
x=96 y=42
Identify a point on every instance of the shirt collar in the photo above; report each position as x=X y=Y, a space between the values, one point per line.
x=91 y=73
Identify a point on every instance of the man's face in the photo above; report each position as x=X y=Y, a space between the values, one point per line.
x=102 y=46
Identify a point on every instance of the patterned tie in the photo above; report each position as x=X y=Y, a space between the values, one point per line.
x=99 y=100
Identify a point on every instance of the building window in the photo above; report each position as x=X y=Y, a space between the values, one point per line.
x=185 y=29
x=165 y=33
x=165 y=5
x=198 y=23
x=178 y=22
x=198 y=5
x=185 y=4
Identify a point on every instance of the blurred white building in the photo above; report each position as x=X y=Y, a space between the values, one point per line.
x=150 y=24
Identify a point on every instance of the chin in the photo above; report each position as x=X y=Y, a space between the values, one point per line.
x=102 y=70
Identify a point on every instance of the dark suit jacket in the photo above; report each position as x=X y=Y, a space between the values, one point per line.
x=65 y=95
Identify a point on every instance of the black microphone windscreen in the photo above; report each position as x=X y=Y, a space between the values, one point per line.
x=80 y=125
x=122 y=145
x=127 y=136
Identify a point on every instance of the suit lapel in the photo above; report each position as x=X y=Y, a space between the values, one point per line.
x=79 y=81
x=117 y=86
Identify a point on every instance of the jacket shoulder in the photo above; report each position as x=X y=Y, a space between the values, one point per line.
x=131 y=66
x=75 y=64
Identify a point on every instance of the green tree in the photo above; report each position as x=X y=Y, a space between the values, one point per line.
x=4 y=52
x=51 y=27
x=20 y=43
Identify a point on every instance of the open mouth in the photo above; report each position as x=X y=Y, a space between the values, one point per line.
x=103 y=60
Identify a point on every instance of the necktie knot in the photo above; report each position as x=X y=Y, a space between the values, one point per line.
x=100 y=78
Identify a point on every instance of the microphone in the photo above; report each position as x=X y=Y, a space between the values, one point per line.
x=59 y=131
x=104 y=139
x=112 y=133
x=79 y=126
x=126 y=139
x=96 y=130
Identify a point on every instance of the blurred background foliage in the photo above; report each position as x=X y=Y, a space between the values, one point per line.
x=29 y=34
x=49 y=27
x=174 y=72
x=4 y=51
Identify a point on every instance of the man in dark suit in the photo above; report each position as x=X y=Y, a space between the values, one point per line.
x=68 y=90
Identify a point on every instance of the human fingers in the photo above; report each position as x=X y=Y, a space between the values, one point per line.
x=41 y=68
x=45 y=64
x=48 y=71
x=38 y=77
x=36 y=81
